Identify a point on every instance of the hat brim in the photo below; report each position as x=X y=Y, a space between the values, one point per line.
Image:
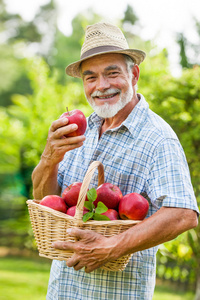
x=137 y=55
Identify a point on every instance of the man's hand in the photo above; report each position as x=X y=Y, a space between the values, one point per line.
x=44 y=176
x=92 y=250
x=57 y=145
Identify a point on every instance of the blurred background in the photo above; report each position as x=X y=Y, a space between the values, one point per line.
x=38 y=39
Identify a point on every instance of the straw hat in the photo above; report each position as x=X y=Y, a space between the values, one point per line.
x=102 y=38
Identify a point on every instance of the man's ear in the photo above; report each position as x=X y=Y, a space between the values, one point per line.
x=136 y=74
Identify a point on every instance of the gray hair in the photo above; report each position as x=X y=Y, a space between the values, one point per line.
x=129 y=65
x=129 y=62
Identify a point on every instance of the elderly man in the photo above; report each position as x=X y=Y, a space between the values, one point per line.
x=140 y=153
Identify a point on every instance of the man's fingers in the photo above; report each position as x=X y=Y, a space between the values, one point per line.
x=79 y=233
x=89 y=269
x=77 y=263
x=61 y=127
x=69 y=141
x=64 y=245
x=58 y=123
x=73 y=261
x=74 y=246
x=65 y=130
x=87 y=253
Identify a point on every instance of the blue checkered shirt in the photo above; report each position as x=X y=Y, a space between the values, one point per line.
x=142 y=155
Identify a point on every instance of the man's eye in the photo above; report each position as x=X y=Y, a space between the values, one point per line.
x=114 y=73
x=90 y=78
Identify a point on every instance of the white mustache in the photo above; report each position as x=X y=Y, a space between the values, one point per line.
x=106 y=93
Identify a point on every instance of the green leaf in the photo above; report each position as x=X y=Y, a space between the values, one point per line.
x=89 y=205
x=101 y=208
x=87 y=216
x=99 y=217
x=92 y=194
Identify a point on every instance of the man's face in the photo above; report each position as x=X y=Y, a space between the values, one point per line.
x=107 y=83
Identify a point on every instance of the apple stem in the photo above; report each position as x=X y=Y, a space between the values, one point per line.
x=67 y=108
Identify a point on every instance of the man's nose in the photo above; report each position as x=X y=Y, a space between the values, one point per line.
x=102 y=83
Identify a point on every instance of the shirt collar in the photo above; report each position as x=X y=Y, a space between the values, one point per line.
x=94 y=120
x=133 y=122
x=137 y=117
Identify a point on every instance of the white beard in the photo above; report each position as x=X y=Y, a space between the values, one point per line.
x=110 y=110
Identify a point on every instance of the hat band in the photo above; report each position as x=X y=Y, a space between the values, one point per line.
x=99 y=49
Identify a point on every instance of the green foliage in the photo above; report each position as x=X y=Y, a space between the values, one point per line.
x=130 y=16
x=66 y=49
x=24 y=129
x=177 y=100
x=176 y=262
x=181 y=40
x=94 y=213
x=13 y=75
x=189 y=51
x=36 y=112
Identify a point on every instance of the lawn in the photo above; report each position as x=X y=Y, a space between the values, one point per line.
x=23 y=278
x=166 y=292
x=26 y=278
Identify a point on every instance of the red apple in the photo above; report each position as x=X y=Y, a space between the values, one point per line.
x=71 y=193
x=109 y=194
x=54 y=202
x=112 y=214
x=133 y=206
x=71 y=211
x=76 y=116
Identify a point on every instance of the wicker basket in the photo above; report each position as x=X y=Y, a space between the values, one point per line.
x=50 y=225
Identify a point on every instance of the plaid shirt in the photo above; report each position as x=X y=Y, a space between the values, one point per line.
x=142 y=155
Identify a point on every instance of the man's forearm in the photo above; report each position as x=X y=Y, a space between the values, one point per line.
x=163 y=226
x=92 y=250
x=44 y=178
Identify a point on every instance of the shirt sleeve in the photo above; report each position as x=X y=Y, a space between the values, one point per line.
x=169 y=176
x=61 y=171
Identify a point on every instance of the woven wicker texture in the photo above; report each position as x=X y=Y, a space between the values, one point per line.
x=50 y=225
x=103 y=34
x=103 y=38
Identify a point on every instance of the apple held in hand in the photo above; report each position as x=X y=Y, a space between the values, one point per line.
x=112 y=214
x=54 y=202
x=133 y=206
x=71 y=211
x=76 y=116
x=109 y=194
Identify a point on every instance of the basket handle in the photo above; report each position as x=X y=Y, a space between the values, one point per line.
x=84 y=187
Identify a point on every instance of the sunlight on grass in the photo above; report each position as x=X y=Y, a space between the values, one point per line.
x=26 y=278
x=166 y=292
x=23 y=279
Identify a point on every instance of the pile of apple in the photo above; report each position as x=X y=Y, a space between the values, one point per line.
x=104 y=203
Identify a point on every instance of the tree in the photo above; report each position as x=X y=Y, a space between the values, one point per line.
x=181 y=40
x=18 y=36
x=66 y=49
x=177 y=100
x=189 y=51
x=24 y=131
x=129 y=16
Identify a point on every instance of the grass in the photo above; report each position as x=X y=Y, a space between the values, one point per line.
x=27 y=278
x=166 y=292
x=23 y=278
